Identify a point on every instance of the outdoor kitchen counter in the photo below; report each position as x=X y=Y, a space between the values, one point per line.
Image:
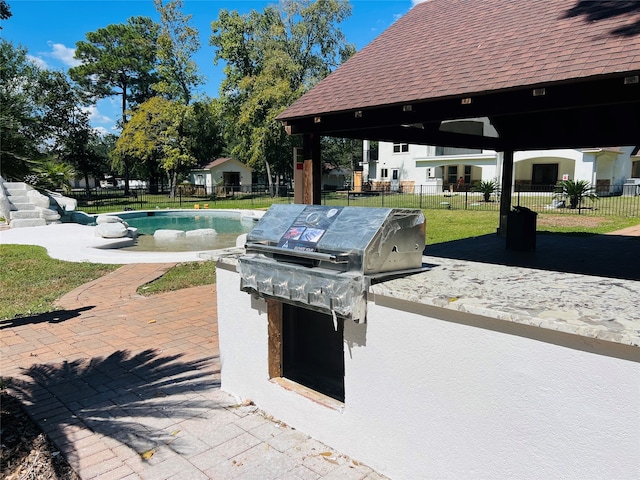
x=589 y=306
x=585 y=305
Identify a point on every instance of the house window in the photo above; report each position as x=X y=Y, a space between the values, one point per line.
x=384 y=173
x=452 y=174
x=635 y=169
x=544 y=174
x=313 y=350
x=400 y=147
x=394 y=174
x=467 y=174
x=199 y=179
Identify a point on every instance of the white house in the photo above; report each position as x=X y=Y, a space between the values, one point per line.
x=396 y=163
x=225 y=172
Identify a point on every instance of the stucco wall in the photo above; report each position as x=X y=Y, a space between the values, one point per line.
x=431 y=397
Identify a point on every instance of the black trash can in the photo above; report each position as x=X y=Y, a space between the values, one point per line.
x=521 y=229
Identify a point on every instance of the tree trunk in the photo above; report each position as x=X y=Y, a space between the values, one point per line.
x=126 y=177
x=269 y=181
x=174 y=182
x=86 y=183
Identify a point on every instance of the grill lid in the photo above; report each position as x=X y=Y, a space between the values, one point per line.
x=324 y=257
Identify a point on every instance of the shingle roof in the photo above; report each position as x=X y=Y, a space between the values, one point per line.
x=444 y=48
x=216 y=162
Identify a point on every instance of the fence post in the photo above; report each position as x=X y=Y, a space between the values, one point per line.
x=382 y=196
x=421 y=196
x=466 y=198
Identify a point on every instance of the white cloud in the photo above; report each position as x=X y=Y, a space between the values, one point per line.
x=37 y=61
x=96 y=117
x=63 y=53
x=101 y=131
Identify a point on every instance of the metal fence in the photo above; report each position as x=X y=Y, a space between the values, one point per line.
x=541 y=199
x=100 y=200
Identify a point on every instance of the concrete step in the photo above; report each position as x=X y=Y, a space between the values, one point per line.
x=48 y=214
x=16 y=193
x=22 y=214
x=19 y=198
x=27 y=222
x=15 y=186
x=24 y=206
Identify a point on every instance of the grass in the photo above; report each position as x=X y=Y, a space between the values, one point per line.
x=183 y=275
x=31 y=281
x=448 y=225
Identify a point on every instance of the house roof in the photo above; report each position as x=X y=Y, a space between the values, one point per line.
x=219 y=161
x=453 y=59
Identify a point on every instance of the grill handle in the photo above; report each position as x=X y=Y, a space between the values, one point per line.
x=325 y=257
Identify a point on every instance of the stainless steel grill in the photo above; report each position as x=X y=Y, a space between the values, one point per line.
x=324 y=258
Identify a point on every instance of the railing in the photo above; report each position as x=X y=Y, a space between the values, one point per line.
x=541 y=199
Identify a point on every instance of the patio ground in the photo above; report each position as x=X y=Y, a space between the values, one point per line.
x=128 y=387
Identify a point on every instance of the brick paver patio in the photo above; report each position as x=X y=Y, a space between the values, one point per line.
x=128 y=387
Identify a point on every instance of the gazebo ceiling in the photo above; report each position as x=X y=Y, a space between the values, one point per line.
x=547 y=74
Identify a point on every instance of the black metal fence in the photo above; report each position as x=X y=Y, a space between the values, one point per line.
x=99 y=200
x=541 y=199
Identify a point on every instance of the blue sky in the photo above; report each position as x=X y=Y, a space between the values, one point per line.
x=49 y=29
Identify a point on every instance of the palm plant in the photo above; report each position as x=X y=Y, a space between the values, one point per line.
x=54 y=175
x=487 y=187
x=575 y=191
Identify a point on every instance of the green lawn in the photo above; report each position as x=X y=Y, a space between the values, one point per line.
x=183 y=275
x=30 y=280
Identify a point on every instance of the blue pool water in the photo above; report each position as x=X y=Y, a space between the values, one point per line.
x=228 y=226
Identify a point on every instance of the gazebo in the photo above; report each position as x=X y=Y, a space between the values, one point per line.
x=546 y=73
x=470 y=369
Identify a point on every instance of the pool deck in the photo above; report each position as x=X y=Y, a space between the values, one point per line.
x=78 y=243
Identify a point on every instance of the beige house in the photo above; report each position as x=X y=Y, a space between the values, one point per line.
x=222 y=172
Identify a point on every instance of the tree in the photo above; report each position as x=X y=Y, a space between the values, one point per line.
x=19 y=126
x=119 y=60
x=5 y=11
x=203 y=131
x=342 y=152
x=177 y=43
x=151 y=137
x=576 y=191
x=271 y=59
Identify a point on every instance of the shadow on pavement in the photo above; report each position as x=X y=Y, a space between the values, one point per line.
x=134 y=399
x=588 y=254
x=58 y=316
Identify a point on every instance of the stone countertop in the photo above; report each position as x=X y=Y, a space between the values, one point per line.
x=587 y=305
x=590 y=306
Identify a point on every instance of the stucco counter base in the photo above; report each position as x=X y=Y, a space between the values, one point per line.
x=468 y=370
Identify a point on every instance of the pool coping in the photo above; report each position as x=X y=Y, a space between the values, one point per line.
x=73 y=242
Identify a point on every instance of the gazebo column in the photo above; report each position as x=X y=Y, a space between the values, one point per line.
x=505 y=190
x=312 y=169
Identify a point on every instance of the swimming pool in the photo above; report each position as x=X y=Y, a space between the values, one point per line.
x=227 y=224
